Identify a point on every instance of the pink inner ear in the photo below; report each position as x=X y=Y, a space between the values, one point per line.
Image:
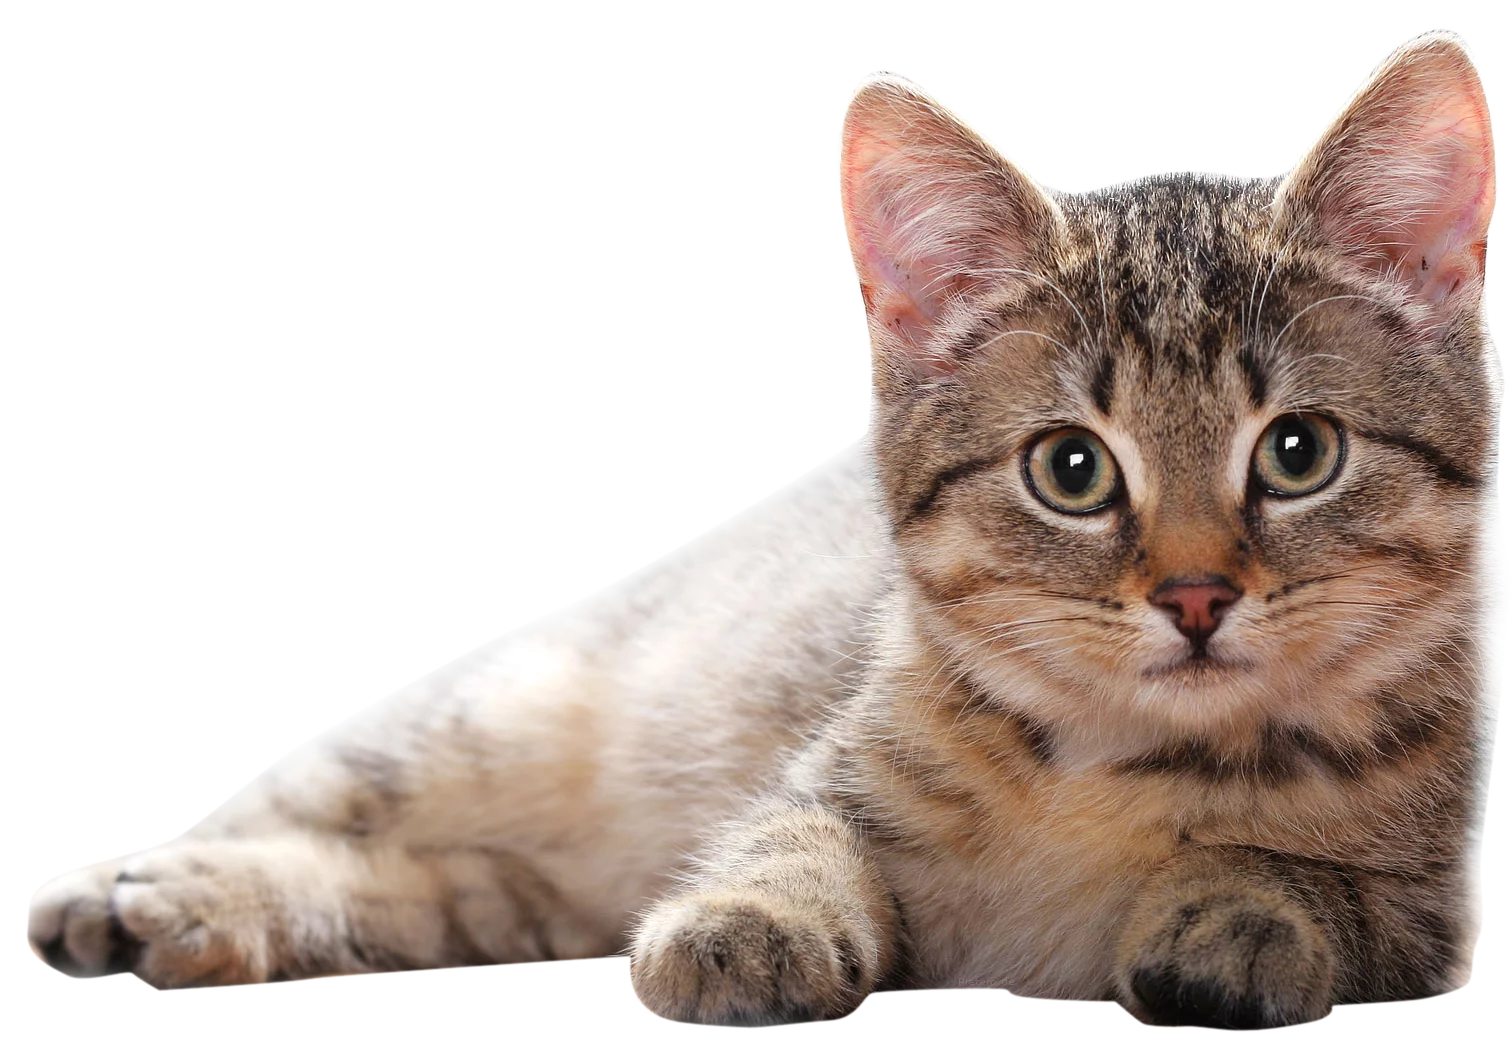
x=893 y=295
x=924 y=203
x=904 y=304
x=1451 y=241
x=900 y=218
x=1417 y=201
x=934 y=216
x=920 y=282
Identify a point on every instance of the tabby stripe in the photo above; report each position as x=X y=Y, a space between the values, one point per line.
x=1411 y=930
x=935 y=781
x=1440 y=463
x=379 y=795
x=1441 y=938
x=1279 y=757
x=848 y=957
x=902 y=973
x=925 y=503
x=860 y=811
x=462 y=947
x=1347 y=916
x=1035 y=736
x=535 y=898
x=367 y=945
x=1101 y=383
x=1272 y=764
x=1343 y=762
x=1194 y=758
x=1259 y=382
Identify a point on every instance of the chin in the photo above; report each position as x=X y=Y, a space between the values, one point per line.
x=1204 y=669
x=1197 y=692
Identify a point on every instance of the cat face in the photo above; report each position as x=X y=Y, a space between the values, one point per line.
x=1204 y=449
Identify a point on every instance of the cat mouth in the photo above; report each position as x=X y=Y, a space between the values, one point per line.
x=1196 y=665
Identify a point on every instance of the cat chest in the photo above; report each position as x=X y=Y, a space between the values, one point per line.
x=1023 y=887
x=1015 y=870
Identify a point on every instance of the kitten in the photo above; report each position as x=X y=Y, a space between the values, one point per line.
x=1148 y=672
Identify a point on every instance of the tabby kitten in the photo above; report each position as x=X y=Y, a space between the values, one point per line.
x=1147 y=669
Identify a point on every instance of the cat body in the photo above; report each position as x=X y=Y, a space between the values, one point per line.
x=1133 y=655
x=581 y=755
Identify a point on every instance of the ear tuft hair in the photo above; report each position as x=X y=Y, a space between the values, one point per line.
x=934 y=215
x=1403 y=184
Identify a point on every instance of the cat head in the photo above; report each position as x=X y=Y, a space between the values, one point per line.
x=1193 y=446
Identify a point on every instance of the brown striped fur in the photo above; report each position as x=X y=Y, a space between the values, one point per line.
x=908 y=725
x=1058 y=804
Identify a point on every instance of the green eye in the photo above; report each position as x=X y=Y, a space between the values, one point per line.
x=1297 y=454
x=1072 y=470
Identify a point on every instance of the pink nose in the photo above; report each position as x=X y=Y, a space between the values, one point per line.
x=1197 y=604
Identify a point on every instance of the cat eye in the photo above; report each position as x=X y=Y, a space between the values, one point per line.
x=1072 y=470
x=1297 y=454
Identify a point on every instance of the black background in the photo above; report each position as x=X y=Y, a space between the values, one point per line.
x=398 y=345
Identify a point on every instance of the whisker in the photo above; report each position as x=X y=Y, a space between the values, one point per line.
x=1394 y=608
x=1312 y=306
x=1038 y=622
x=1046 y=281
x=1018 y=332
x=1274 y=266
x=1000 y=598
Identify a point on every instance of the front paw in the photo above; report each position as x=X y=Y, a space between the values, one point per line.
x=188 y=914
x=71 y=926
x=1228 y=959
x=743 y=960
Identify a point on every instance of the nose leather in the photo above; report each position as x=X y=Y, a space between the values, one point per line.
x=1197 y=605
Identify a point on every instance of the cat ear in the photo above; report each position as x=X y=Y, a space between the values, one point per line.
x=1404 y=182
x=934 y=216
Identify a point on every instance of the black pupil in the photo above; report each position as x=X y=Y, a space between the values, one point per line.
x=1296 y=448
x=1074 y=464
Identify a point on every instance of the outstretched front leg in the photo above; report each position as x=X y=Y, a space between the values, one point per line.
x=340 y=858
x=1239 y=937
x=205 y=911
x=787 y=920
